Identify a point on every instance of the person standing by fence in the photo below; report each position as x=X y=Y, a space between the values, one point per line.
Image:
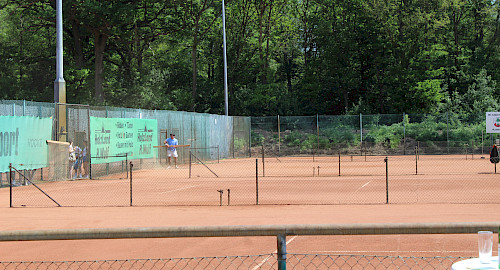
x=72 y=159
x=171 y=150
x=84 y=167
x=76 y=170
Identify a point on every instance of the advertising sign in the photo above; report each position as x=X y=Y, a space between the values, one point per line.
x=23 y=142
x=113 y=138
x=493 y=122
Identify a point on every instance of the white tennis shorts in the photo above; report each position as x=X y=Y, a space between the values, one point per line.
x=171 y=153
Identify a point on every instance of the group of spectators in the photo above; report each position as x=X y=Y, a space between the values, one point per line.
x=78 y=161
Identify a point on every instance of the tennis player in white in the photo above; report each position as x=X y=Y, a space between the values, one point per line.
x=172 y=151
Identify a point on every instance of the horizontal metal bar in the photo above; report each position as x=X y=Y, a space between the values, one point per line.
x=251 y=230
x=57 y=142
x=110 y=156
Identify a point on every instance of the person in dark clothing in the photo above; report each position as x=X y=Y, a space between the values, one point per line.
x=494 y=158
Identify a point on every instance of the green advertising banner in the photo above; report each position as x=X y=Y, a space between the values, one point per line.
x=113 y=138
x=23 y=142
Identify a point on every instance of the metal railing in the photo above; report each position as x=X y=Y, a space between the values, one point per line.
x=280 y=259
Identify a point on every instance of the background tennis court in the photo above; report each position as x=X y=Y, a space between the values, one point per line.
x=285 y=180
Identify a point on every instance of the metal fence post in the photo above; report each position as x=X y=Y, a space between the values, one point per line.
x=418 y=149
x=232 y=137
x=386 y=180
x=339 y=163
x=447 y=134
x=131 y=196
x=250 y=138
x=10 y=183
x=404 y=134
x=281 y=251
x=263 y=168
x=482 y=142
x=257 y=181
x=361 y=128
x=317 y=130
x=279 y=135
x=416 y=160
x=472 y=150
x=89 y=145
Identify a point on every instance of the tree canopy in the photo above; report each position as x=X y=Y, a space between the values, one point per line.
x=287 y=57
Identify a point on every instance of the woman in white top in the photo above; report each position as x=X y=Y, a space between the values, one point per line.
x=72 y=159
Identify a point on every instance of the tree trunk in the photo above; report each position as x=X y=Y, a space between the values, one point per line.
x=99 y=48
x=345 y=95
x=75 y=32
x=288 y=70
x=261 y=42
x=195 y=69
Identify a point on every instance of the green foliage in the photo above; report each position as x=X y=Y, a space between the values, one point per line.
x=338 y=134
x=239 y=144
x=312 y=142
x=428 y=94
x=389 y=136
x=284 y=57
x=428 y=130
x=256 y=138
x=295 y=138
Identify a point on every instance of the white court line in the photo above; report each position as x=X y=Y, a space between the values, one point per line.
x=269 y=257
x=366 y=184
x=179 y=189
x=388 y=251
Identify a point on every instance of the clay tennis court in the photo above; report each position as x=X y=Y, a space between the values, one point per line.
x=285 y=180
x=357 y=196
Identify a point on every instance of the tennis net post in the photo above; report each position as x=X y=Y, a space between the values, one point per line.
x=131 y=193
x=10 y=183
x=257 y=181
x=386 y=160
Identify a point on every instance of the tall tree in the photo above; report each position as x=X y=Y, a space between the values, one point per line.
x=202 y=16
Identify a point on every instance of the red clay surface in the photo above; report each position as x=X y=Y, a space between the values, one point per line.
x=112 y=217
x=440 y=181
x=299 y=180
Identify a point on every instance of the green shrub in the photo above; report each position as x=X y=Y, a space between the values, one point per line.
x=312 y=143
x=294 y=138
x=239 y=144
x=339 y=134
x=390 y=136
x=257 y=138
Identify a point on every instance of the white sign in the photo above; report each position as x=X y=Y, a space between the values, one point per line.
x=493 y=122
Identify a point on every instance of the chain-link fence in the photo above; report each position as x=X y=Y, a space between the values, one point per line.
x=264 y=261
x=387 y=134
x=345 y=179
x=210 y=136
x=301 y=160
x=280 y=259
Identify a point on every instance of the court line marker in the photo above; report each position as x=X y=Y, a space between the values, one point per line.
x=366 y=184
x=269 y=257
x=389 y=251
x=179 y=189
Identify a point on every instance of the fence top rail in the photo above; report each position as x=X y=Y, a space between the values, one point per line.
x=251 y=230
